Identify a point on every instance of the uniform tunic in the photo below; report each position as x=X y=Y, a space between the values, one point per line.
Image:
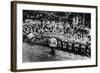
x=53 y=42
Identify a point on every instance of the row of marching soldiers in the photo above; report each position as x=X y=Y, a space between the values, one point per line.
x=69 y=46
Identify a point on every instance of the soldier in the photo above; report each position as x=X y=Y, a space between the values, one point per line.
x=53 y=45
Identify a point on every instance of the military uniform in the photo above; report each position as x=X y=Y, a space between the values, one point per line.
x=53 y=45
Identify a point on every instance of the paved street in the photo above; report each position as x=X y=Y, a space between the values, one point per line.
x=37 y=53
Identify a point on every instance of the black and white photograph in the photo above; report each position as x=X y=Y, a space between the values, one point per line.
x=53 y=36
x=56 y=36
